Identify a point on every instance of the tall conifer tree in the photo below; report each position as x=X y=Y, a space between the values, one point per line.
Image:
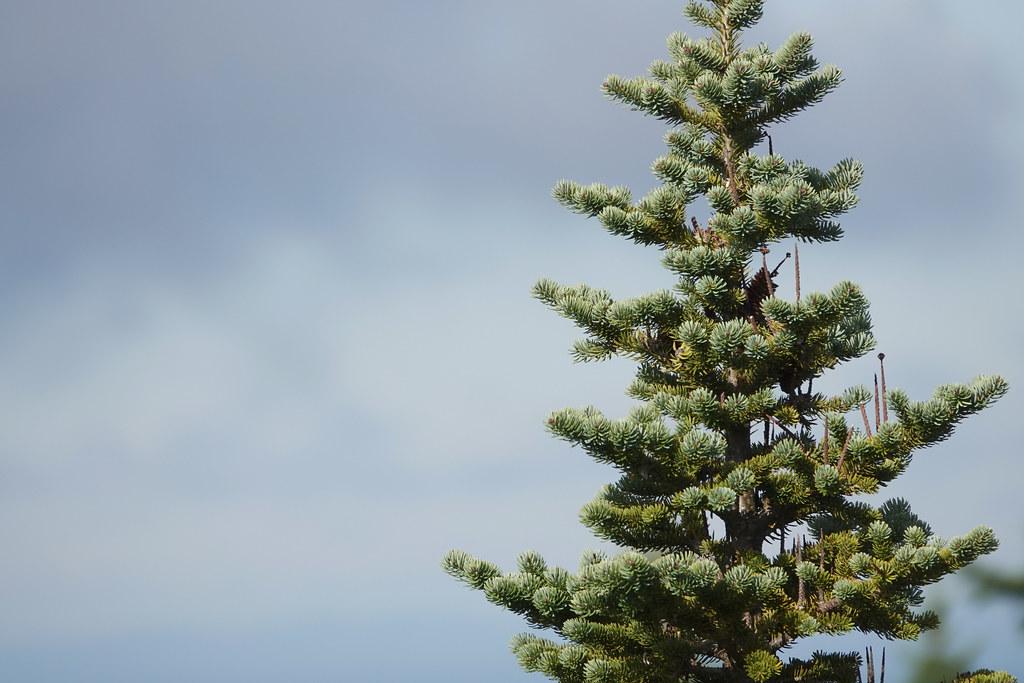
x=728 y=426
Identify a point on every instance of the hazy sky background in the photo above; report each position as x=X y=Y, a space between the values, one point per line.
x=267 y=342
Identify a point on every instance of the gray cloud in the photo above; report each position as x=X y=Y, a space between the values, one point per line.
x=267 y=338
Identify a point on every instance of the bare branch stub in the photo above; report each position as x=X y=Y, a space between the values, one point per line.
x=885 y=402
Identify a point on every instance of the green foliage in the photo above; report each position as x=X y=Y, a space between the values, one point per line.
x=728 y=426
x=822 y=666
x=762 y=666
x=985 y=676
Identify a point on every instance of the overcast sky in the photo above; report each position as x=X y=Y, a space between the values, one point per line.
x=266 y=336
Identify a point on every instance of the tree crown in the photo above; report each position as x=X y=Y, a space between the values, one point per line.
x=728 y=425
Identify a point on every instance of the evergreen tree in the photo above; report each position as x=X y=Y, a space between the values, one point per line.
x=728 y=424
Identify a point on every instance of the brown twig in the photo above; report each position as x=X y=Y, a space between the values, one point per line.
x=796 y=267
x=864 y=414
x=826 y=606
x=842 y=453
x=885 y=402
x=781 y=426
x=878 y=417
x=775 y=270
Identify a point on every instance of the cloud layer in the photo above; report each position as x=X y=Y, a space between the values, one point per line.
x=267 y=342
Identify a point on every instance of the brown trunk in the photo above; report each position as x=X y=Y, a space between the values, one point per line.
x=745 y=530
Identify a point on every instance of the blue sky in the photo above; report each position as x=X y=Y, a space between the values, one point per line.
x=266 y=335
